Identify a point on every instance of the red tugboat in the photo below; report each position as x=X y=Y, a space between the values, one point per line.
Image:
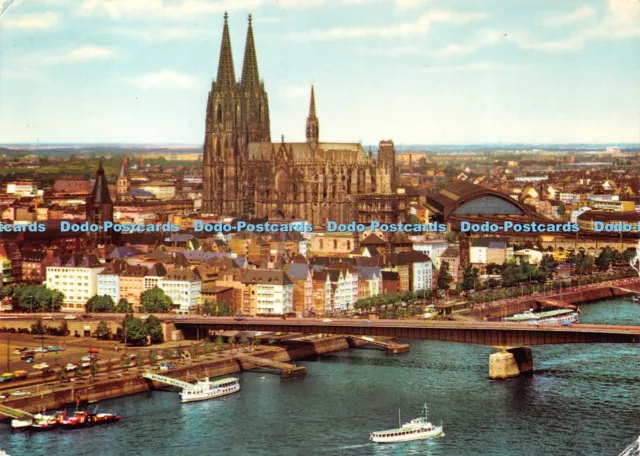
x=79 y=420
x=86 y=419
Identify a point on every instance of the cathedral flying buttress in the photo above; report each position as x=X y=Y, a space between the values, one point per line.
x=247 y=174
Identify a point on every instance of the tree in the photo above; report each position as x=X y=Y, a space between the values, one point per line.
x=444 y=278
x=100 y=304
x=62 y=375
x=155 y=300
x=154 y=329
x=135 y=330
x=548 y=265
x=605 y=259
x=124 y=306
x=244 y=342
x=103 y=331
x=35 y=298
x=469 y=278
x=63 y=328
x=581 y=263
x=256 y=341
x=38 y=328
x=232 y=342
x=562 y=210
x=224 y=308
x=219 y=344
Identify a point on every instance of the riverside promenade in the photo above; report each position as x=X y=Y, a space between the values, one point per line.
x=122 y=382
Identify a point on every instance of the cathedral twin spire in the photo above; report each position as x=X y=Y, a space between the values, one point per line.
x=226 y=73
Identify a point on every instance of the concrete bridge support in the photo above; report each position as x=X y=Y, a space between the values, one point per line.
x=510 y=362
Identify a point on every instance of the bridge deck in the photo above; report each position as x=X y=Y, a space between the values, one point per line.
x=473 y=332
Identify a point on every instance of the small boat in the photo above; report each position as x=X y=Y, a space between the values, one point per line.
x=206 y=389
x=417 y=429
x=636 y=299
x=85 y=419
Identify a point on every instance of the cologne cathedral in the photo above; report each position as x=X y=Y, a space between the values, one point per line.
x=245 y=174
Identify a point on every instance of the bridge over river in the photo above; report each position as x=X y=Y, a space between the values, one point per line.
x=511 y=338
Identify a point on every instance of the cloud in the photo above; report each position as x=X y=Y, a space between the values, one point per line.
x=165 y=9
x=30 y=21
x=569 y=18
x=419 y=26
x=166 y=79
x=83 y=53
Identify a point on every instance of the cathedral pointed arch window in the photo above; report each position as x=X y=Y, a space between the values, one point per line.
x=219 y=114
x=218 y=148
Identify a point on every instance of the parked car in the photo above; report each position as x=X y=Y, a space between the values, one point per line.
x=94 y=350
x=70 y=317
x=239 y=317
x=327 y=320
x=53 y=348
x=2 y=396
x=20 y=374
x=85 y=364
x=40 y=350
x=20 y=393
x=47 y=317
x=30 y=360
x=85 y=359
x=17 y=352
x=41 y=366
x=70 y=367
x=6 y=377
x=165 y=367
x=366 y=322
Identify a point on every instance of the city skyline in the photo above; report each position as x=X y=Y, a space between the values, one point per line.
x=419 y=72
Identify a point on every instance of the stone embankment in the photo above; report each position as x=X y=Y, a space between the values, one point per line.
x=131 y=382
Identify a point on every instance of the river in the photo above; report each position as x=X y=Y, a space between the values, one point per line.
x=582 y=400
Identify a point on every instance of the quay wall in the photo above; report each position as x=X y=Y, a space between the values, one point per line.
x=585 y=294
x=131 y=382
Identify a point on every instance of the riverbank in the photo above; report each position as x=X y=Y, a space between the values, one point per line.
x=575 y=295
x=131 y=381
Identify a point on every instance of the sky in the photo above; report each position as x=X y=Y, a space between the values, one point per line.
x=415 y=71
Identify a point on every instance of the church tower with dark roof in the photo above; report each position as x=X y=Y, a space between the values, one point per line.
x=99 y=208
x=237 y=114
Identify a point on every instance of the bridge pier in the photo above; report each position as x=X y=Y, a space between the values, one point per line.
x=510 y=363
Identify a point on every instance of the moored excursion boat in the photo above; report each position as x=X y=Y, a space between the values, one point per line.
x=417 y=429
x=206 y=389
x=559 y=316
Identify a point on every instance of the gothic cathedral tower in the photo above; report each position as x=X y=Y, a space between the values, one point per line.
x=237 y=114
x=313 y=124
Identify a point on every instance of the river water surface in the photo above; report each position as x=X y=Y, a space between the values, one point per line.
x=582 y=400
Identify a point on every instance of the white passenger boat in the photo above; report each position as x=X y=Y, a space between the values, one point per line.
x=207 y=389
x=417 y=429
x=560 y=316
x=39 y=419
